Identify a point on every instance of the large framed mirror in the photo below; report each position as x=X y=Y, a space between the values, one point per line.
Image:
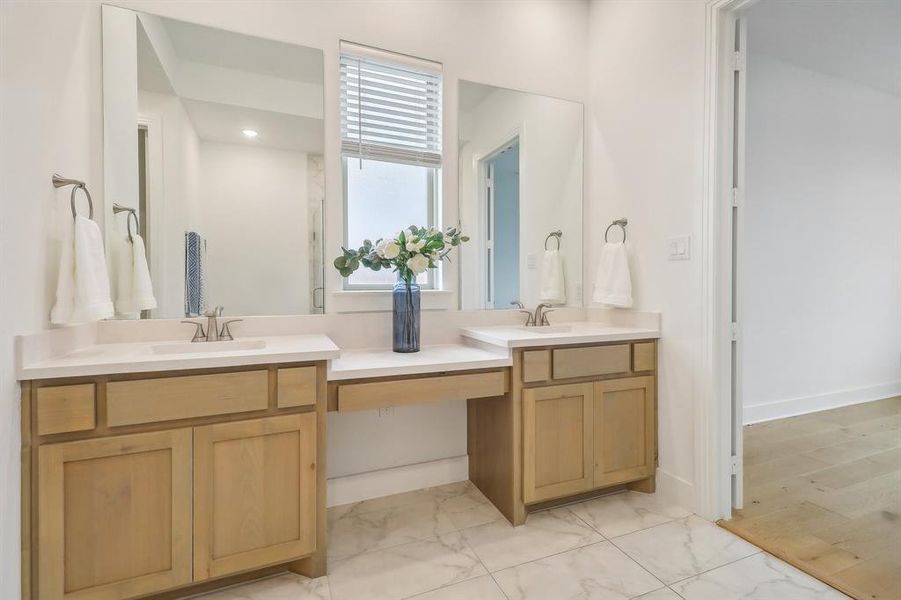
x=520 y=198
x=213 y=145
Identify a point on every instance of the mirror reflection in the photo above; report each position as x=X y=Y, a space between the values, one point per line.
x=215 y=139
x=520 y=198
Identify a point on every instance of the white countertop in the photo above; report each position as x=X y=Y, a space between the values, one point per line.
x=581 y=332
x=382 y=362
x=143 y=357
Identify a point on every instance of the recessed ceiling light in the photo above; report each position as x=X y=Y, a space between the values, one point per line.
x=251 y=133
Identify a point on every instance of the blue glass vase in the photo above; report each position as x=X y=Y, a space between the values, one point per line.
x=406 y=316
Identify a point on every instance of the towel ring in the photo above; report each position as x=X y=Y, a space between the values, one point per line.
x=622 y=224
x=131 y=213
x=554 y=234
x=83 y=188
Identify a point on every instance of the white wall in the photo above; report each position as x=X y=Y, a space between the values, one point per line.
x=50 y=66
x=50 y=120
x=253 y=215
x=821 y=274
x=174 y=190
x=644 y=162
x=550 y=185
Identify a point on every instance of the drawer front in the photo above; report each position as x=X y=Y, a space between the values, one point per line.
x=591 y=361
x=171 y=398
x=65 y=408
x=296 y=387
x=381 y=394
x=644 y=357
x=536 y=365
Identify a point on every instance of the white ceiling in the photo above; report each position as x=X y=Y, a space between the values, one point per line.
x=215 y=122
x=207 y=45
x=857 y=40
x=221 y=115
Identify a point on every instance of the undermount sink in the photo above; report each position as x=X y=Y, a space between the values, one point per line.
x=198 y=347
x=548 y=329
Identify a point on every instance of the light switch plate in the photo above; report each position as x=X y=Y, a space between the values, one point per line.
x=678 y=247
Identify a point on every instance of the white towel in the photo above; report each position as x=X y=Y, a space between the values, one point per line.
x=82 y=287
x=613 y=284
x=553 y=285
x=134 y=290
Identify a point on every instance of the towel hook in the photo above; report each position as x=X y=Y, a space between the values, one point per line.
x=554 y=234
x=132 y=213
x=59 y=181
x=622 y=224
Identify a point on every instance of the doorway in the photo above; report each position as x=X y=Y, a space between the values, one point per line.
x=500 y=207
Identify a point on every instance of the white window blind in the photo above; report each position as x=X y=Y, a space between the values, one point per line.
x=390 y=110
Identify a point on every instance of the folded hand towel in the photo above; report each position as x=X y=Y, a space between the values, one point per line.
x=553 y=285
x=613 y=284
x=82 y=288
x=195 y=275
x=134 y=288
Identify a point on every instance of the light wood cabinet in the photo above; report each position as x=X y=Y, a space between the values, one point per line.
x=254 y=493
x=557 y=441
x=115 y=516
x=624 y=430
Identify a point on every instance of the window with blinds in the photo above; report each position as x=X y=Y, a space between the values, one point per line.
x=390 y=110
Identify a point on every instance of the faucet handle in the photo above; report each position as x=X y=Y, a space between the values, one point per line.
x=544 y=313
x=517 y=304
x=199 y=333
x=530 y=318
x=225 y=333
x=216 y=312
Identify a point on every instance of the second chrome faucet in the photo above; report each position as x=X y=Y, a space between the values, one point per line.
x=213 y=332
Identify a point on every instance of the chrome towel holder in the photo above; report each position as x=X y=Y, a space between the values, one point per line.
x=554 y=234
x=60 y=181
x=118 y=208
x=622 y=224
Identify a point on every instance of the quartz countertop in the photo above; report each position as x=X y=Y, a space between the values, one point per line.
x=581 y=332
x=143 y=357
x=382 y=362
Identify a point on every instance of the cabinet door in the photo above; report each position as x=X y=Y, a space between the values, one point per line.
x=624 y=430
x=254 y=493
x=114 y=516
x=557 y=441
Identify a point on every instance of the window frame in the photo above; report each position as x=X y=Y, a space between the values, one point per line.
x=433 y=208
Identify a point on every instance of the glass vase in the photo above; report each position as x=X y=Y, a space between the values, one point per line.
x=406 y=316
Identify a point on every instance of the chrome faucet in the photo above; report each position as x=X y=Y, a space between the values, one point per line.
x=539 y=317
x=213 y=332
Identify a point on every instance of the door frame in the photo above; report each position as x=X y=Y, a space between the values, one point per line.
x=714 y=411
x=480 y=165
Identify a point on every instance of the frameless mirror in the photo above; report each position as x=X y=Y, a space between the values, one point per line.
x=520 y=198
x=214 y=141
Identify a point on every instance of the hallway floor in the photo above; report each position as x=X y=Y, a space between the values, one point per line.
x=823 y=492
x=450 y=543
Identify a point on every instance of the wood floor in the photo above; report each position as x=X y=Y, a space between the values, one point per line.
x=823 y=492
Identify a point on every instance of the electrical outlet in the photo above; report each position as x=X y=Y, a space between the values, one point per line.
x=678 y=247
x=388 y=411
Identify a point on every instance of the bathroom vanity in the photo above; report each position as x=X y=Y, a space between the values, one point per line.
x=149 y=470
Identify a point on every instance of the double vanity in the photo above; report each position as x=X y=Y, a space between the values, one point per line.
x=155 y=468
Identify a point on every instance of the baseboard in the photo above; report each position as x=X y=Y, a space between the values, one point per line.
x=809 y=404
x=375 y=484
x=675 y=490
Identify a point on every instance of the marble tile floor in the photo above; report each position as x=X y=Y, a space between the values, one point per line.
x=450 y=543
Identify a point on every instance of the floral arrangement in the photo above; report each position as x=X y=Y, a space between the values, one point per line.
x=409 y=253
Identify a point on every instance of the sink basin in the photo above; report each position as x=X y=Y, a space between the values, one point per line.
x=548 y=329
x=199 y=347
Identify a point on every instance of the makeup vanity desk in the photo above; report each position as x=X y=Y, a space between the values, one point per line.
x=157 y=471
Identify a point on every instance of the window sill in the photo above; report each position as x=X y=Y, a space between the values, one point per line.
x=349 y=301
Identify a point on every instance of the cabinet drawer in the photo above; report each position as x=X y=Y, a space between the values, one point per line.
x=591 y=361
x=296 y=387
x=644 y=357
x=65 y=408
x=380 y=394
x=171 y=398
x=536 y=365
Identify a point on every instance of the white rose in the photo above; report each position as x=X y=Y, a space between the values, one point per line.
x=392 y=249
x=380 y=248
x=408 y=235
x=418 y=263
x=415 y=246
